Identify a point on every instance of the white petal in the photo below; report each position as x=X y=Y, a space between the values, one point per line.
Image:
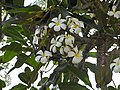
x=114 y=8
x=51 y=25
x=116 y=69
x=47 y=53
x=76 y=60
x=40 y=52
x=60 y=38
x=68 y=42
x=56 y=28
x=37 y=31
x=43 y=60
x=55 y=19
x=81 y=24
x=62 y=20
x=63 y=26
x=58 y=44
x=53 y=41
x=112 y=65
x=67 y=49
x=51 y=47
x=61 y=51
x=71 y=30
x=117 y=14
x=35 y=40
x=37 y=58
x=110 y=13
x=76 y=49
x=54 y=49
x=71 y=54
x=77 y=30
x=116 y=60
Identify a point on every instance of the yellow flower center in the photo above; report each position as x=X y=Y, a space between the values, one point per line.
x=75 y=26
x=117 y=63
x=76 y=55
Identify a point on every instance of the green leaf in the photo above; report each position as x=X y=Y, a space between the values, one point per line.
x=111 y=88
x=30 y=9
x=43 y=80
x=12 y=50
x=31 y=61
x=20 y=3
x=33 y=88
x=21 y=59
x=71 y=86
x=12 y=31
x=92 y=54
x=2 y=84
x=51 y=3
x=91 y=66
x=81 y=74
x=19 y=87
x=119 y=87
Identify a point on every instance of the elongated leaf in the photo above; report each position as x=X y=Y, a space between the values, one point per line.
x=80 y=74
x=91 y=66
x=92 y=54
x=12 y=32
x=25 y=9
x=11 y=51
x=42 y=81
x=71 y=86
x=19 y=87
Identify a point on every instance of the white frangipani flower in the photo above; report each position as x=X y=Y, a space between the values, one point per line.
x=115 y=66
x=57 y=23
x=114 y=13
x=55 y=43
x=69 y=39
x=76 y=54
x=75 y=25
x=35 y=40
x=43 y=56
x=64 y=49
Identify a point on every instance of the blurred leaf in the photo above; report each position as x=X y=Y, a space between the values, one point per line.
x=28 y=9
x=66 y=76
x=21 y=59
x=91 y=66
x=51 y=3
x=19 y=87
x=111 y=88
x=2 y=84
x=20 y=3
x=12 y=50
x=92 y=54
x=43 y=80
x=80 y=74
x=33 y=88
x=119 y=87
x=71 y=86
x=12 y=31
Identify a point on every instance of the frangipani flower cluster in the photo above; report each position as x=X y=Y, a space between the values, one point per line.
x=115 y=66
x=63 y=43
x=114 y=13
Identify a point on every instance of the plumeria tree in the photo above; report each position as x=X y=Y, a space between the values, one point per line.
x=61 y=35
